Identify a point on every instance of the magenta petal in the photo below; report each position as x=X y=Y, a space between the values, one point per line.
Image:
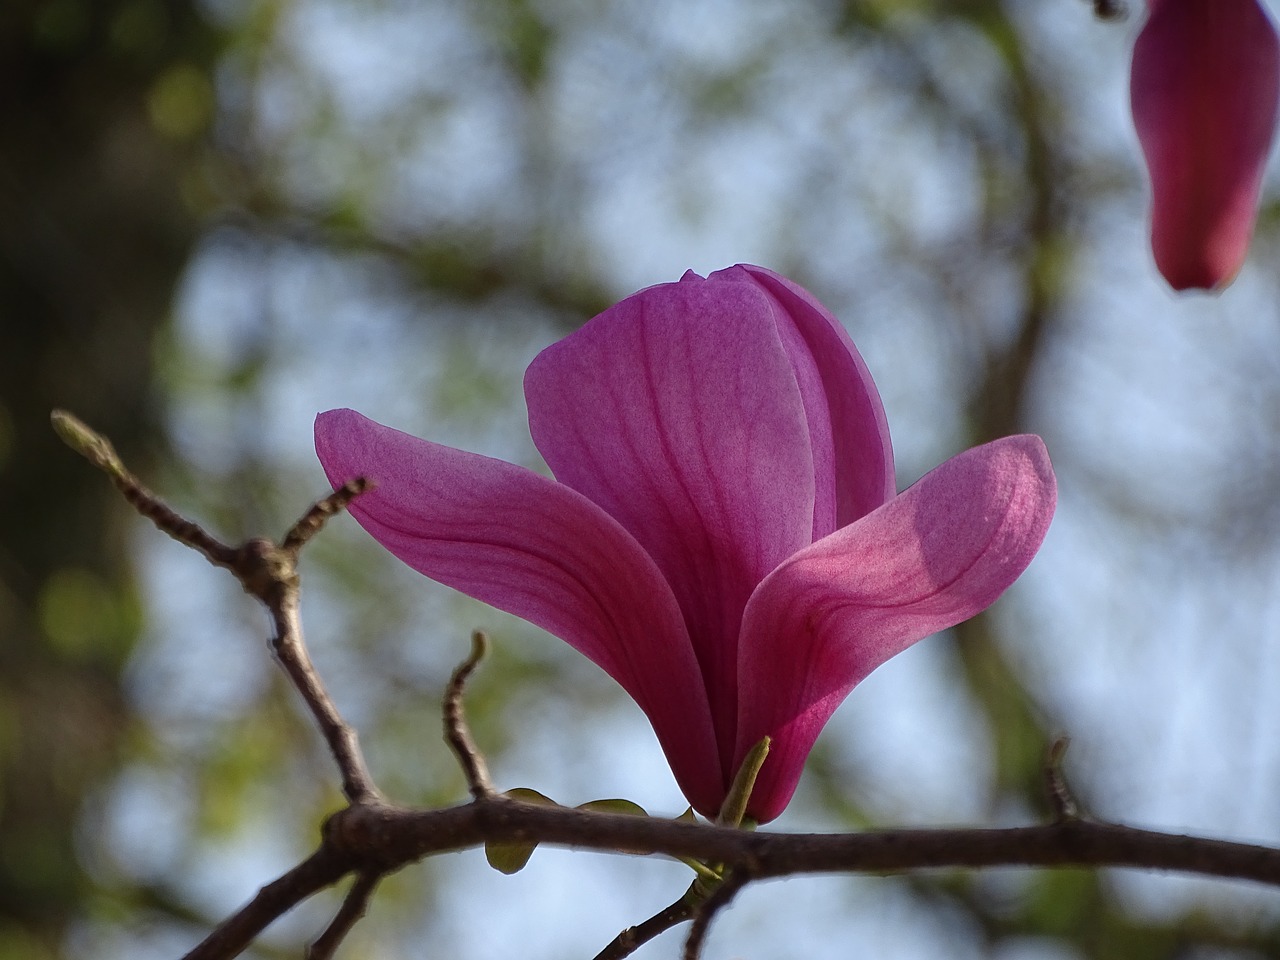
x=1205 y=88
x=678 y=412
x=535 y=548
x=853 y=457
x=937 y=554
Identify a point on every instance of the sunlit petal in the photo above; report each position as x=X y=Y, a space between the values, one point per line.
x=537 y=549
x=678 y=412
x=853 y=457
x=939 y=553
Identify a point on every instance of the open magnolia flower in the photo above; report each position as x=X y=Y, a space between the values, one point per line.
x=723 y=536
x=1205 y=87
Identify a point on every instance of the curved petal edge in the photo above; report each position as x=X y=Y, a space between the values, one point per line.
x=937 y=554
x=525 y=544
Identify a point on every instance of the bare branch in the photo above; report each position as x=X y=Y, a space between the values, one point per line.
x=323 y=868
x=266 y=570
x=379 y=838
x=1061 y=800
x=98 y=450
x=373 y=838
x=353 y=908
x=633 y=938
x=393 y=837
x=456 y=732
x=269 y=572
x=720 y=898
x=315 y=518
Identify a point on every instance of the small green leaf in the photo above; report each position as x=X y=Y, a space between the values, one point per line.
x=707 y=875
x=529 y=795
x=511 y=858
x=613 y=806
x=616 y=806
x=508 y=858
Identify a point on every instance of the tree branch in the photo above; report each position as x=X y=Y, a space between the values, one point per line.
x=98 y=450
x=322 y=869
x=704 y=914
x=394 y=836
x=633 y=938
x=353 y=908
x=372 y=837
x=269 y=572
x=1061 y=800
x=376 y=838
x=456 y=732
x=266 y=570
x=321 y=511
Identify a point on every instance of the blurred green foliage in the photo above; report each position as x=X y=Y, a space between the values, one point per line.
x=92 y=241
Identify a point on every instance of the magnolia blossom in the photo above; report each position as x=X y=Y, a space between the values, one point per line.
x=1205 y=86
x=723 y=535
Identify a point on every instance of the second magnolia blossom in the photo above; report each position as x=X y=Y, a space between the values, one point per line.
x=1205 y=88
x=723 y=535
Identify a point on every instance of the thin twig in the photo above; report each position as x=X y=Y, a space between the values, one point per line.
x=314 y=519
x=1061 y=800
x=717 y=901
x=98 y=450
x=353 y=908
x=266 y=570
x=633 y=938
x=291 y=651
x=700 y=893
x=322 y=869
x=456 y=732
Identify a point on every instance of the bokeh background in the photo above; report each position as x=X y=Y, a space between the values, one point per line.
x=218 y=217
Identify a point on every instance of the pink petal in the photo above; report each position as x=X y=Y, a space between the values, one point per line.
x=677 y=411
x=853 y=457
x=1205 y=86
x=530 y=546
x=937 y=554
